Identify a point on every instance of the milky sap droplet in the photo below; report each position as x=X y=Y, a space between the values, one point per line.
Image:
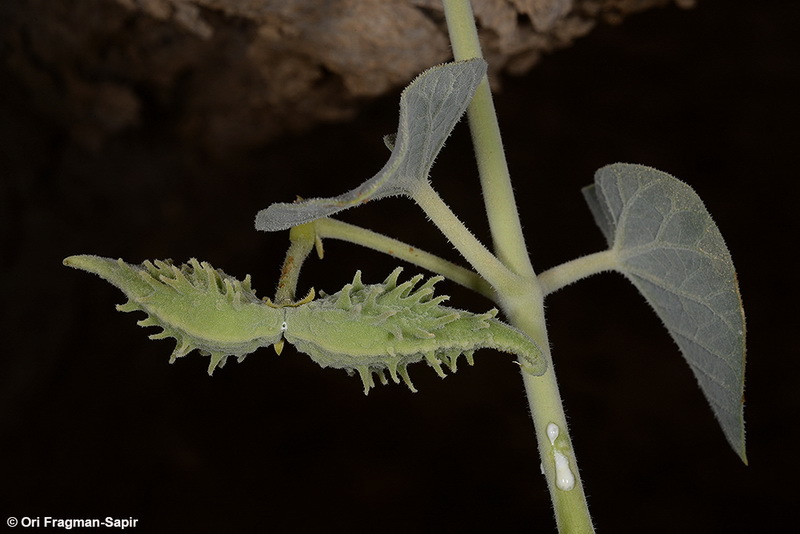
x=552 y=432
x=565 y=480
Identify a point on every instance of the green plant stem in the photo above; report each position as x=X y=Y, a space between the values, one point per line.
x=567 y=273
x=487 y=264
x=498 y=195
x=544 y=400
x=334 y=229
x=302 y=240
x=522 y=300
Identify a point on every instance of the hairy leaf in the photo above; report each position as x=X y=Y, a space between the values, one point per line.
x=430 y=107
x=669 y=247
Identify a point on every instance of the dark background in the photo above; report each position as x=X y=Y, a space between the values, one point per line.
x=95 y=423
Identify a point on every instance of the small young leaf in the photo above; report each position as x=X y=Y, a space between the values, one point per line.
x=430 y=107
x=670 y=249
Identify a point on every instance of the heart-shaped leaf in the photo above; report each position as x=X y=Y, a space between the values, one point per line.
x=430 y=107
x=669 y=247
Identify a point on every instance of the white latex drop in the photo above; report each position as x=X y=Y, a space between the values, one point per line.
x=565 y=480
x=552 y=432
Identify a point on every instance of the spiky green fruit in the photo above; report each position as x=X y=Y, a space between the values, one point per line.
x=369 y=329
x=201 y=307
x=385 y=327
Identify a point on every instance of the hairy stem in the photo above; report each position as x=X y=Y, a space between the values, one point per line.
x=522 y=299
x=498 y=196
x=301 y=242
x=487 y=264
x=526 y=312
x=334 y=229
x=562 y=275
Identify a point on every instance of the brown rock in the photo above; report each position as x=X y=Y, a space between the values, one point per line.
x=235 y=74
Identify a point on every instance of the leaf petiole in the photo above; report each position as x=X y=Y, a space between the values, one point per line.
x=569 y=272
x=486 y=263
x=331 y=228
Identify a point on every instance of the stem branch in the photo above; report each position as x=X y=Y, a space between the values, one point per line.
x=487 y=265
x=302 y=240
